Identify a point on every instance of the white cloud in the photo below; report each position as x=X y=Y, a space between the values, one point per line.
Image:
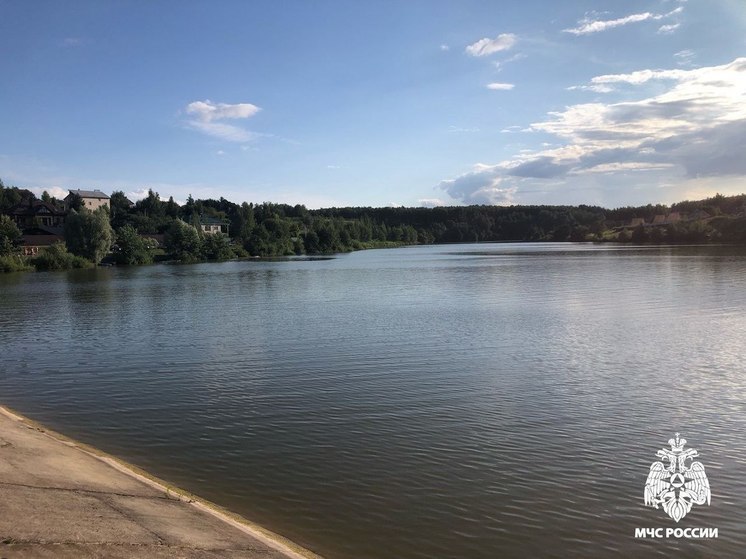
x=485 y=47
x=668 y=29
x=602 y=84
x=431 y=202
x=594 y=88
x=694 y=127
x=54 y=191
x=445 y=48
x=482 y=185
x=138 y=194
x=207 y=110
x=206 y=117
x=500 y=86
x=640 y=77
x=684 y=57
x=588 y=25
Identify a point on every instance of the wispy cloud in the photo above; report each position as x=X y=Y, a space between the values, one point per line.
x=499 y=64
x=463 y=130
x=587 y=25
x=72 y=42
x=485 y=47
x=684 y=57
x=668 y=29
x=592 y=87
x=431 y=202
x=445 y=48
x=500 y=86
x=694 y=128
x=208 y=117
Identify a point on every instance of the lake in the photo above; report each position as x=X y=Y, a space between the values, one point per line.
x=455 y=401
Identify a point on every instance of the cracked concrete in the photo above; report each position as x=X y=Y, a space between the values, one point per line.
x=64 y=500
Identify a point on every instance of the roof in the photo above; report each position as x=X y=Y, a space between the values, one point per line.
x=35 y=207
x=89 y=194
x=40 y=240
x=207 y=220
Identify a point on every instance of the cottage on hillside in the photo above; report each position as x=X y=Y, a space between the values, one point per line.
x=210 y=225
x=92 y=199
x=31 y=214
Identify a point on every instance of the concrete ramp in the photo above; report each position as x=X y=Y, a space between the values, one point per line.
x=63 y=499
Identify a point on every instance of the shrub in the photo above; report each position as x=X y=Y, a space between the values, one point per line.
x=56 y=257
x=14 y=263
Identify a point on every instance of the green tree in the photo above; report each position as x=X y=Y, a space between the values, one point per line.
x=133 y=249
x=75 y=202
x=183 y=242
x=89 y=234
x=10 y=236
x=216 y=246
x=120 y=208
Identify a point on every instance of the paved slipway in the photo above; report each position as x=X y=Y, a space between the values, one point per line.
x=63 y=499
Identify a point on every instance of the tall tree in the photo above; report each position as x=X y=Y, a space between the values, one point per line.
x=10 y=236
x=132 y=248
x=89 y=234
x=183 y=241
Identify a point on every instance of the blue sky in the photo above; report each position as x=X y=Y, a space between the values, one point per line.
x=375 y=102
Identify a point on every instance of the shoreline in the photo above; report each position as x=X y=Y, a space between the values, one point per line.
x=114 y=468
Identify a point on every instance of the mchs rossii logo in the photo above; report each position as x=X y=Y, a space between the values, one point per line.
x=678 y=486
x=675 y=484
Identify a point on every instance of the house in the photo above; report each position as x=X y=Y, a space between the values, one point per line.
x=31 y=244
x=92 y=199
x=636 y=221
x=673 y=217
x=31 y=214
x=210 y=225
x=659 y=219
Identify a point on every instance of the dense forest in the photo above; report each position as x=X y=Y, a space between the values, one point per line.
x=269 y=229
x=275 y=229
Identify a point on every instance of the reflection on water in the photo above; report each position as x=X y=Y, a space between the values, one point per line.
x=491 y=400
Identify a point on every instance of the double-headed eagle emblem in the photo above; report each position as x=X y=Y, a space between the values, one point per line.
x=677 y=487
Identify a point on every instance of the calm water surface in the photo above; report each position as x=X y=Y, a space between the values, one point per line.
x=465 y=401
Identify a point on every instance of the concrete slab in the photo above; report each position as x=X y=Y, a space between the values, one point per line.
x=63 y=499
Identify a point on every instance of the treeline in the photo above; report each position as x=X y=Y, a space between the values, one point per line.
x=265 y=229
x=126 y=233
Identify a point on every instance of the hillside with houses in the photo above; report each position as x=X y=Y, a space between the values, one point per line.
x=91 y=227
